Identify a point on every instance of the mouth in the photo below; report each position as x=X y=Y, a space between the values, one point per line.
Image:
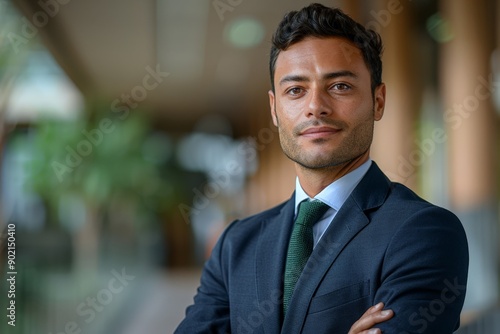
x=319 y=132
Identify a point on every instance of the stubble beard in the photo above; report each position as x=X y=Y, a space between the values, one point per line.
x=350 y=148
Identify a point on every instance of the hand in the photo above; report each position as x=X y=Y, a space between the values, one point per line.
x=374 y=315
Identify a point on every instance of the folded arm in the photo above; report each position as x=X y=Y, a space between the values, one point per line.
x=424 y=274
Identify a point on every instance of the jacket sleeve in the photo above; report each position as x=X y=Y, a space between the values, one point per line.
x=424 y=274
x=210 y=311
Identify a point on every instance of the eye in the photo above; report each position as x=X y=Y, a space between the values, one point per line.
x=341 y=87
x=294 y=91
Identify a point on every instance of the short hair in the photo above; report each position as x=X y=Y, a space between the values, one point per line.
x=320 y=21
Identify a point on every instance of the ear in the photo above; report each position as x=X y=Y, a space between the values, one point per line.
x=379 y=102
x=272 y=105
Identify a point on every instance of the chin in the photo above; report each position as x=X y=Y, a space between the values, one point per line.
x=318 y=163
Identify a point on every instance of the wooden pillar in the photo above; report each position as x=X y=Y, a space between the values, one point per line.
x=352 y=8
x=395 y=135
x=469 y=117
x=274 y=181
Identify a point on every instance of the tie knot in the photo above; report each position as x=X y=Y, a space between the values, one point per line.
x=310 y=212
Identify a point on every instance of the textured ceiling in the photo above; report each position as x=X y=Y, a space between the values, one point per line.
x=109 y=47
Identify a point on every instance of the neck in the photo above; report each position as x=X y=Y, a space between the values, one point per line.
x=313 y=181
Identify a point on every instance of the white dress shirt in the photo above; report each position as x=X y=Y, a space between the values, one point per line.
x=335 y=194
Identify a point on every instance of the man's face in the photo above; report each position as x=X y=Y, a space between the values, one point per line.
x=323 y=105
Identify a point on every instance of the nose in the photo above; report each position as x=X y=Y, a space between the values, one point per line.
x=318 y=103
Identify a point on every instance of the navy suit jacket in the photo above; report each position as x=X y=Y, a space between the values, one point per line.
x=384 y=245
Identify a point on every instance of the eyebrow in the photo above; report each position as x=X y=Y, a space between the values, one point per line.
x=303 y=78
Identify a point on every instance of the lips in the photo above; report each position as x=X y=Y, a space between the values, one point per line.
x=319 y=131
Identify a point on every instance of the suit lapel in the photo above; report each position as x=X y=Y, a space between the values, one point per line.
x=350 y=219
x=270 y=263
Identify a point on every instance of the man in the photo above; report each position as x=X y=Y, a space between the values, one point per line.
x=373 y=243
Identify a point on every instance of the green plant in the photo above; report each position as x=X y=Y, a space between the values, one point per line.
x=126 y=163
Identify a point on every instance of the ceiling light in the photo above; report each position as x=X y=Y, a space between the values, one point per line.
x=439 y=28
x=244 y=32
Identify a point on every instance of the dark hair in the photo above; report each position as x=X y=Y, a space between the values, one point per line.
x=317 y=20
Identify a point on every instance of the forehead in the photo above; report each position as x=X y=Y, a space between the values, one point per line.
x=319 y=55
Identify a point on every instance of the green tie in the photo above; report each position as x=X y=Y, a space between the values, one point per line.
x=301 y=245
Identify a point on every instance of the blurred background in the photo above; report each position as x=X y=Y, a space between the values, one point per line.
x=133 y=132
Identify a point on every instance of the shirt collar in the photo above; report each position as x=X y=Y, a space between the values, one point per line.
x=337 y=192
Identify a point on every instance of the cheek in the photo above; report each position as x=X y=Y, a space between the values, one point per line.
x=290 y=108
x=285 y=126
x=286 y=114
x=354 y=113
